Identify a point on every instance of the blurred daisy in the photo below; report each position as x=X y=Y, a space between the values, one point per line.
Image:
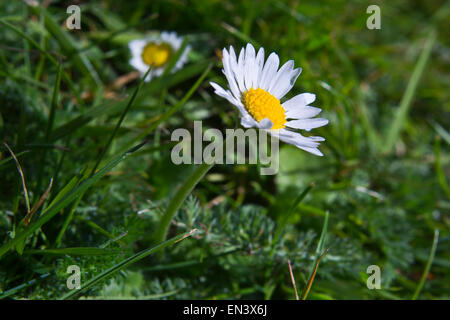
x=156 y=50
x=256 y=89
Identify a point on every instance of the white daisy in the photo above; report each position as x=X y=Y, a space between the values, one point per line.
x=156 y=50
x=256 y=89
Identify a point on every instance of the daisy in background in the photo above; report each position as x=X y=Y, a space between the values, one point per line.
x=256 y=88
x=156 y=50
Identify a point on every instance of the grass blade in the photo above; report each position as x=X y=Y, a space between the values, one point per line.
x=108 y=109
x=66 y=42
x=319 y=254
x=311 y=278
x=14 y=290
x=22 y=177
x=402 y=111
x=171 y=111
x=179 y=198
x=5 y=161
x=75 y=251
x=240 y=35
x=67 y=221
x=181 y=195
x=173 y=60
x=286 y=216
x=127 y=262
x=442 y=132
x=48 y=55
x=438 y=167
x=51 y=119
x=293 y=280
x=125 y=111
x=38 y=204
x=428 y=265
x=52 y=210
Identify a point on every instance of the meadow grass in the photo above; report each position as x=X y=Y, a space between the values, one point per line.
x=86 y=176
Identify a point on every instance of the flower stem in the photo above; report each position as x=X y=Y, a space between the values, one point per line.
x=183 y=193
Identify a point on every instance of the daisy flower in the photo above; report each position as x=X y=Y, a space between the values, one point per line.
x=256 y=88
x=156 y=50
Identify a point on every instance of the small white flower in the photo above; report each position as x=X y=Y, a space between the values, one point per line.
x=256 y=89
x=156 y=50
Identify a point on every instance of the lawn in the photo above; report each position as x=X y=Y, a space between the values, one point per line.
x=89 y=189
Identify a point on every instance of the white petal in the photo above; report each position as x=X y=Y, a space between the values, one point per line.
x=165 y=35
x=307 y=124
x=224 y=94
x=230 y=75
x=149 y=76
x=282 y=74
x=157 y=72
x=269 y=70
x=285 y=83
x=312 y=150
x=138 y=64
x=248 y=122
x=219 y=90
x=299 y=100
x=182 y=60
x=241 y=59
x=249 y=66
x=172 y=39
x=302 y=112
x=229 y=96
x=265 y=123
x=237 y=70
x=136 y=47
x=259 y=64
x=316 y=138
x=297 y=139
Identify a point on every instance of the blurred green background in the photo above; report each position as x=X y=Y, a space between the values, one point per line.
x=383 y=179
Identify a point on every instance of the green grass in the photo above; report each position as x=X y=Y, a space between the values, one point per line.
x=92 y=183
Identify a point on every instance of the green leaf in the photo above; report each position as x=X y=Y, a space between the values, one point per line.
x=428 y=265
x=47 y=55
x=179 y=198
x=319 y=254
x=285 y=216
x=109 y=108
x=127 y=262
x=169 y=112
x=67 y=44
x=52 y=210
x=119 y=122
x=400 y=116
x=75 y=251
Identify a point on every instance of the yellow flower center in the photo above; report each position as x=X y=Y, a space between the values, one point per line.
x=156 y=54
x=261 y=104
